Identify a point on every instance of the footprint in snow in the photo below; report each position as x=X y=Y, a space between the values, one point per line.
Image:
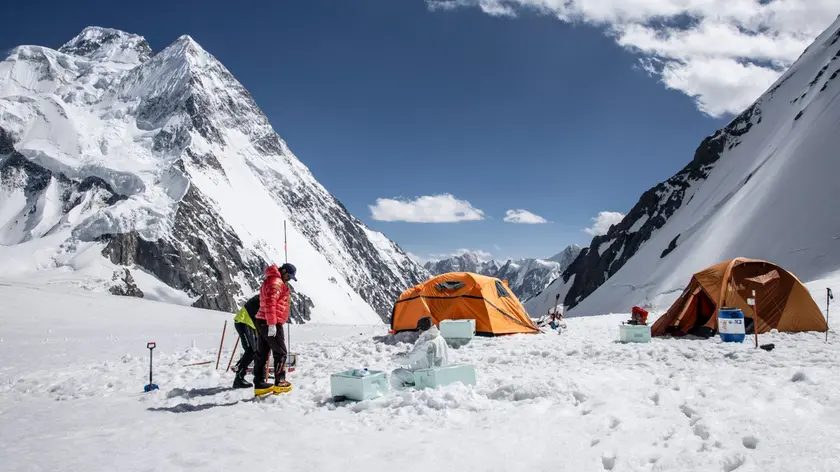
x=655 y=398
x=608 y=462
x=799 y=377
x=687 y=410
x=750 y=442
x=732 y=463
x=701 y=431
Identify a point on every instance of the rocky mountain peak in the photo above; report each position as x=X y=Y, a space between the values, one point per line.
x=566 y=256
x=108 y=45
x=161 y=166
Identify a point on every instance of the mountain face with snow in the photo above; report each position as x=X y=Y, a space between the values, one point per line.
x=465 y=262
x=112 y=157
x=764 y=186
x=526 y=277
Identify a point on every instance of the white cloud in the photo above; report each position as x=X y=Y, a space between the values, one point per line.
x=523 y=217
x=601 y=223
x=722 y=53
x=415 y=257
x=427 y=209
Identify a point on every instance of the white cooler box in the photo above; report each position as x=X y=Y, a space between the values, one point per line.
x=457 y=331
x=634 y=333
x=345 y=384
x=440 y=376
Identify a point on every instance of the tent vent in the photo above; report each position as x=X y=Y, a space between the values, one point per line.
x=501 y=290
x=449 y=285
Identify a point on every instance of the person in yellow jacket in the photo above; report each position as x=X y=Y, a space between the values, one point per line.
x=245 y=326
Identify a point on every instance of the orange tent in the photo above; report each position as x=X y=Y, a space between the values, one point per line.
x=463 y=295
x=782 y=301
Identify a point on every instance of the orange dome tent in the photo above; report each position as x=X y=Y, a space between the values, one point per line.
x=783 y=302
x=463 y=295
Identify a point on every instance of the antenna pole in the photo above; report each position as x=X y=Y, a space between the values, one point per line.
x=289 y=321
x=828 y=297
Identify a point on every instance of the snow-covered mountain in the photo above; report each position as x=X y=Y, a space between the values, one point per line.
x=526 y=277
x=765 y=186
x=112 y=156
x=464 y=262
x=566 y=256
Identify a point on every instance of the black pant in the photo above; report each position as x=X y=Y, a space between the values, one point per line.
x=248 y=340
x=277 y=346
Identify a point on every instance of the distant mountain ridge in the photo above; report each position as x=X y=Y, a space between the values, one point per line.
x=526 y=277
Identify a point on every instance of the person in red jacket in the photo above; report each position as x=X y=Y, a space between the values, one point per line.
x=273 y=314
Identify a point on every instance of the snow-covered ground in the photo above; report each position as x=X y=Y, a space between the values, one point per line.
x=74 y=365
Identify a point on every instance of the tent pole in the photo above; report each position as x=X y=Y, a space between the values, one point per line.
x=755 y=320
x=828 y=297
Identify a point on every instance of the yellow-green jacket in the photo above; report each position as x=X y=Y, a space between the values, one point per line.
x=248 y=312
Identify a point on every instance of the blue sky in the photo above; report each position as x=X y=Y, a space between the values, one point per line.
x=481 y=107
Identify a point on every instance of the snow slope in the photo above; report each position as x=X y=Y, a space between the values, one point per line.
x=74 y=365
x=164 y=164
x=763 y=187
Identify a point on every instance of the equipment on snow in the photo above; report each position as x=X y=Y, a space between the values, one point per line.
x=754 y=304
x=638 y=316
x=151 y=386
x=291 y=358
x=264 y=391
x=233 y=353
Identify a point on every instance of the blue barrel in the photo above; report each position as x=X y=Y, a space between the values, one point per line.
x=731 y=325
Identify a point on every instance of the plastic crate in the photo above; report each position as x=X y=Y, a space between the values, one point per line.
x=634 y=333
x=440 y=376
x=348 y=386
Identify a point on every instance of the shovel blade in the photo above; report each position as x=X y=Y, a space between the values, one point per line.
x=150 y=387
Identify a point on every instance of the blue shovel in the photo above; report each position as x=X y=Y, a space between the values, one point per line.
x=151 y=386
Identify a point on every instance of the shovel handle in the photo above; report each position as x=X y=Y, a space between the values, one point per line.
x=150 y=345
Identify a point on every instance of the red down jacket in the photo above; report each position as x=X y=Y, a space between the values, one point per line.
x=274 y=298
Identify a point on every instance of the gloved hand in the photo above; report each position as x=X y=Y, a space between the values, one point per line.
x=272 y=331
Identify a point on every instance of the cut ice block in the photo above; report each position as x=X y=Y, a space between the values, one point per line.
x=634 y=333
x=457 y=332
x=445 y=375
x=345 y=384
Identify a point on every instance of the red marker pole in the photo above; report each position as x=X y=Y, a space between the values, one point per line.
x=219 y=357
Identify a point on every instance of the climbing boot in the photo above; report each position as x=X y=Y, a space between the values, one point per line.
x=282 y=387
x=263 y=388
x=240 y=382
